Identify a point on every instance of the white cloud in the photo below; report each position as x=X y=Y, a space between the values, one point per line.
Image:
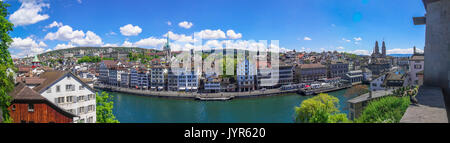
x=150 y=42
x=169 y=23
x=29 y=13
x=127 y=44
x=211 y=34
x=79 y=1
x=111 y=33
x=54 y=24
x=307 y=39
x=27 y=46
x=77 y=37
x=403 y=51
x=130 y=30
x=360 y=52
x=91 y=39
x=340 y=47
x=185 y=24
x=357 y=38
x=179 y=37
x=346 y=40
x=63 y=46
x=110 y=45
x=65 y=33
x=232 y=35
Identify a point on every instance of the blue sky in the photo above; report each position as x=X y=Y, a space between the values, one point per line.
x=310 y=25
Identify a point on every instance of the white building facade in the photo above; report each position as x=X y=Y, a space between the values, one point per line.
x=71 y=94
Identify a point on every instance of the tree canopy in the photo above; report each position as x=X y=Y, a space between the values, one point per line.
x=322 y=108
x=6 y=64
x=89 y=59
x=105 y=107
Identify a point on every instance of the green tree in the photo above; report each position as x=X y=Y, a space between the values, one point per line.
x=105 y=107
x=6 y=64
x=320 y=109
x=388 y=109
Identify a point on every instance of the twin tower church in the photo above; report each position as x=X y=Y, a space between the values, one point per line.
x=376 y=51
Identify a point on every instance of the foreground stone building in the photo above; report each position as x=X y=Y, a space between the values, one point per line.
x=436 y=89
x=437 y=44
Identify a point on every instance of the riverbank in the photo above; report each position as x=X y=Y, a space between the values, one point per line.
x=197 y=96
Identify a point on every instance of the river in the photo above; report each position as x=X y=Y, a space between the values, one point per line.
x=273 y=109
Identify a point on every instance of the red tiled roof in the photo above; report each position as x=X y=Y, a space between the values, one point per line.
x=310 y=66
x=109 y=63
x=33 y=80
x=23 y=69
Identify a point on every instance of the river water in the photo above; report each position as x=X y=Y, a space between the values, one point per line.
x=275 y=109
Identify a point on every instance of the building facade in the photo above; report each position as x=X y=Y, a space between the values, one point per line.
x=337 y=69
x=311 y=72
x=355 y=77
x=28 y=106
x=246 y=72
x=416 y=65
x=71 y=94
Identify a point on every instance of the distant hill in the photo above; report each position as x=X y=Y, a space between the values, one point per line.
x=400 y=55
x=96 y=49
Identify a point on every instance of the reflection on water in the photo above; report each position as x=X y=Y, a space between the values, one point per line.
x=275 y=109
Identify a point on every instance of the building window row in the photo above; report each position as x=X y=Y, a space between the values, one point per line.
x=74 y=99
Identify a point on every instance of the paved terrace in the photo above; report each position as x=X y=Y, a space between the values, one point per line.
x=172 y=94
x=431 y=107
x=366 y=97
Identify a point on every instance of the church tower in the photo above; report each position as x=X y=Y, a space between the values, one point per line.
x=166 y=49
x=383 y=48
x=377 y=48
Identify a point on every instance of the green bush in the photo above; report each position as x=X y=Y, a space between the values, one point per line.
x=388 y=109
x=322 y=108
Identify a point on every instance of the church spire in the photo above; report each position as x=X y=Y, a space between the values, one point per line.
x=168 y=33
x=377 y=48
x=383 y=49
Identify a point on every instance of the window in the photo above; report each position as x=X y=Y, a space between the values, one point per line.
x=70 y=87
x=58 y=88
x=69 y=99
x=81 y=87
x=91 y=120
x=417 y=66
x=59 y=100
x=49 y=90
x=14 y=107
x=30 y=107
x=91 y=96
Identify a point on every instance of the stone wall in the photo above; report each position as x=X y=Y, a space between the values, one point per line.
x=437 y=46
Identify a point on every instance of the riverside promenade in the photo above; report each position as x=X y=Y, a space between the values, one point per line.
x=195 y=95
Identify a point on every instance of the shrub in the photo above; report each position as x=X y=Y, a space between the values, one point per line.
x=388 y=109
